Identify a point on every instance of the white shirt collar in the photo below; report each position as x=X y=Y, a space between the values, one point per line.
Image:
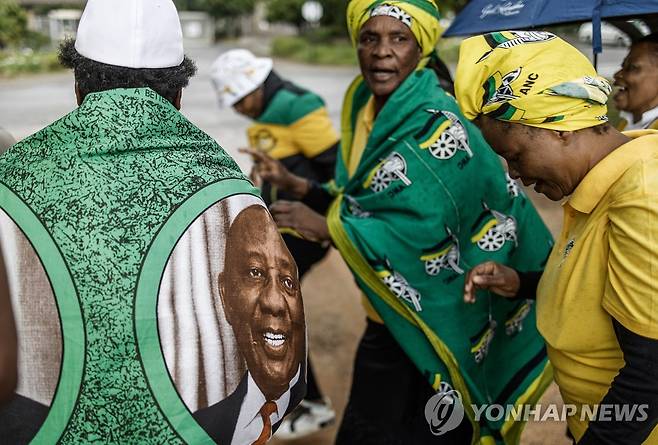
x=250 y=423
x=647 y=118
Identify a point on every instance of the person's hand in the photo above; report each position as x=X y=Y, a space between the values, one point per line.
x=255 y=177
x=492 y=276
x=297 y=216
x=273 y=171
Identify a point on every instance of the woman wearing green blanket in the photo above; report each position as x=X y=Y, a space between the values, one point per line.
x=418 y=198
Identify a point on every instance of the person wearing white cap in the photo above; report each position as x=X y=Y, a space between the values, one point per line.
x=291 y=124
x=97 y=205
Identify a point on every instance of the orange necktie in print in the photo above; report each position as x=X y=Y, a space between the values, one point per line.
x=265 y=412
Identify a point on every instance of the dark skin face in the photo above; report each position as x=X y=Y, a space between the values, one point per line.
x=262 y=301
x=637 y=80
x=388 y=53
x=252 y=104
x=553 y=161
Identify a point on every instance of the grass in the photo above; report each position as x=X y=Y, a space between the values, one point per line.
x=300 y=49
x=14 y=63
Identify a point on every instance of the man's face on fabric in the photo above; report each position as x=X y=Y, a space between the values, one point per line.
x=262 y=300
x=536 y=156
x=252 y=104
x=388 y=52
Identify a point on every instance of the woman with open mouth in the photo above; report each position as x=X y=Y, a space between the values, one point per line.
x=637 y=86
x=418 y=197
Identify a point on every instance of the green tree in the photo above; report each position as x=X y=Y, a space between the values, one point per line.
x=13 y=23
x=290 y=11
x=446 y=6
x=218 y=9
x=286 y=11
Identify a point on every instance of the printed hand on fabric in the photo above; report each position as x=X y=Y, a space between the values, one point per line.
x=273 y=171
x=497 y=278
x=297 y=216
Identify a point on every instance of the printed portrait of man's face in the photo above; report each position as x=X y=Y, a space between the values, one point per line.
x=262 y=300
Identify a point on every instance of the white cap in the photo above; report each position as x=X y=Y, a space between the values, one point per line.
x=237 y=73
x=131 y=33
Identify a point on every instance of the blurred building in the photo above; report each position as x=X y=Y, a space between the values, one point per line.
x=48 y=18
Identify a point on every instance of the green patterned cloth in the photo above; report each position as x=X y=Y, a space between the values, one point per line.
x=103 y=194
x=428 y=201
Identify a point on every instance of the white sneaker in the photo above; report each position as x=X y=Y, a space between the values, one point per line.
x=308 y=418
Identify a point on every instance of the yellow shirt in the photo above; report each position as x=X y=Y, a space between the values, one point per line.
x=308 y=136
x=605 y=264
x=365 y=119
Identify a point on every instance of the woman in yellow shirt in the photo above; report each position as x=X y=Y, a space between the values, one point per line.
x=541 y=106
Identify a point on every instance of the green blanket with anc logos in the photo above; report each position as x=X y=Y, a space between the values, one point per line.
x=428 y=201
x=103 y=194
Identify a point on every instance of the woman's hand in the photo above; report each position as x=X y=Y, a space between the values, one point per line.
x=492 y=276
x=255 y=177
x=273 y=171
x=294 y=215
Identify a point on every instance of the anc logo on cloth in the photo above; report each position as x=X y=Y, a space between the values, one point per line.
x=482 y=340
x=492 y=229
x=443 y=256
x=512 y=186
x=497 y=40
x=514 y=323
x=397 y=284
x=264 y=140
x=449 y=137
x=392 y=168
x=504 y=92
x=355 y=208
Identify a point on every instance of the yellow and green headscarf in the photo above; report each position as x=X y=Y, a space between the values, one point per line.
x=421 y=16
x=530 y=77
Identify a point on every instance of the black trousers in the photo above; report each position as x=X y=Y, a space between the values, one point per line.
x=306 y=254
x=388 y=398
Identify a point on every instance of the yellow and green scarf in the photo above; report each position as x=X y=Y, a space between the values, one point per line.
x=421 y=16
x=520 y=76
x=428 y=201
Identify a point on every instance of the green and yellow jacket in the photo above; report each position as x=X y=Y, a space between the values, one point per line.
x=295 y=128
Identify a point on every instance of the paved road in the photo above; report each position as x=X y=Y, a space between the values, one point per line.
x=30 y=103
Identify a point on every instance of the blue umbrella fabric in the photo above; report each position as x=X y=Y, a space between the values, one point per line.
x=483 y=16
x=607 y=9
